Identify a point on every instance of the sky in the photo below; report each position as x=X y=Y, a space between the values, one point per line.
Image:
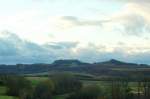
x=41 y=31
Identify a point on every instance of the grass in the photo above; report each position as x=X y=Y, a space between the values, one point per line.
x=103 y=84
x=8 y=97
x=36 y=80
x=3 y=90
x=60 y=96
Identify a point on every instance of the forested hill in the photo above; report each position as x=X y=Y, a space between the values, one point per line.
x=108 y=68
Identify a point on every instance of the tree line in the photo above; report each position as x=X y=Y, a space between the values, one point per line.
x=73 y=88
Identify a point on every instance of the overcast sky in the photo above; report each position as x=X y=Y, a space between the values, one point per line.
x=40 y=31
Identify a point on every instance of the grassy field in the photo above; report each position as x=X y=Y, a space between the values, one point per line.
x=36 y=80
x=59 y=97
x=8 y=97
x=102 y=84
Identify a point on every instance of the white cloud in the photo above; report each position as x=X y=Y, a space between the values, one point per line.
x=15 y=50
x=132 y=19
x=72 y=30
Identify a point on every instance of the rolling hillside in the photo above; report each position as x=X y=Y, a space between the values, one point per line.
x=108 y=68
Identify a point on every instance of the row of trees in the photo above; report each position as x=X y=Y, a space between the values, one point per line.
x=61 y=84
x=21 y=87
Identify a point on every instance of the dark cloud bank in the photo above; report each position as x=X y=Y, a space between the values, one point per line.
x=15 y=50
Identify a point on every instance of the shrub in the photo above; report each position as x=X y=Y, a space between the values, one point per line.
x=88 y=92
x=17 y=85
x=43 y=90
x=66 y=83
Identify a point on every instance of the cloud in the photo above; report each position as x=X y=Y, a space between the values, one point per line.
x=82 y=22
x=132 y=24
x=62 y=45
x=130 y=1
x=125 y=53
x=67 y=22
x=139 y=1
x=132 y=19
x=15 y=50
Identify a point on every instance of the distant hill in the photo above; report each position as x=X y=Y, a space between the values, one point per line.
x=114 y=62
x=119 y=64
x=108 y=68
x=68 y=63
